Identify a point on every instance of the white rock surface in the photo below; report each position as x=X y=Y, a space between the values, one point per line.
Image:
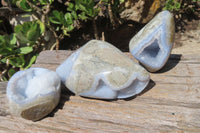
x=33 y=93
x=100 y=70
x=152 y=45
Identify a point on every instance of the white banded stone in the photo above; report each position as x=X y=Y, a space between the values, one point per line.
x=152 y=45
x=33 y=93
x=100 y=70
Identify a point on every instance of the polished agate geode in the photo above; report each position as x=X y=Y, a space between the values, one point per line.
x=152 y=45
x=33 y=93
x=100 y=70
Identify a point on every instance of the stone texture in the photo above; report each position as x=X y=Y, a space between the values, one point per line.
x=100 y=70
x=141 y=10
x=152 y=45
x=33 y=93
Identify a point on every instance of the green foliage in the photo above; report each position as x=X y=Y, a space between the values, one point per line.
x=22 y=4
x=29 y=32
x=20 y=49
x=13 y=57
x=87 y=8
x=32 y=5
x=45 y=2
x=181 y=10
x=172 y=5
x=76 y=10
x=180 y=6
x=7 y=43
x=65 y=20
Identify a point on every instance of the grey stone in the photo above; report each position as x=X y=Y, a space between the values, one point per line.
x=100 y=70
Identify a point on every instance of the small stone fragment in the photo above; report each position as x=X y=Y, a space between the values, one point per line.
x=152 y=45
x=33 y=93
x=100 y=70
x=141 y=11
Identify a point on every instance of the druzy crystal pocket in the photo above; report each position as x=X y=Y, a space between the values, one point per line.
x=152 y=45
x=100 y=70
x=33 y=93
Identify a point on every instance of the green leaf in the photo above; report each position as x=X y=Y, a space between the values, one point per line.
x=68 y=18
x=33 y=35
x=74 y=15
x=71 y=7
x=82 y=8
x=43 y=2
x=7 y=44
x=24 y=5
x=17 y=61
x=6 y=51
x=165 y=8
x=1 y=38
x=3 y=60
x=17 y=28
x=51 y=1
x=70 y=28
x=2 y=41
x=56 y=17
x=121 y=1
x=26 y=15
x=83 y=16
x=177 y=6
x=32 y=60
x=29 y=32
x=90 y=12
x=96 y=11
x=41 y=25
x=11 y=71
x=77 y=2
x=65 y=30
x=76 y=7
x=22 y=38
x=25 y=50
x=13 y=39
x=21 y=31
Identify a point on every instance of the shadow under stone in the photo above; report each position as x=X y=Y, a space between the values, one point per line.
x=64 y=97
x=173 y=60
x=148 y=87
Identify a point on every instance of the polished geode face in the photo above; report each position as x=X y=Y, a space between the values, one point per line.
x=33 y=93
x=31 y=83
x=152 y=45
x=100 y=70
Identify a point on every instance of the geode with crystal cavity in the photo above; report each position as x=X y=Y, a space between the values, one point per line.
x=100 y=70
x=152 y=45
x=33 y=93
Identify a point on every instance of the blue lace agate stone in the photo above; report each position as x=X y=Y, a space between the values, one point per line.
x=33 y=93
x=152 y=45
x=100 y=70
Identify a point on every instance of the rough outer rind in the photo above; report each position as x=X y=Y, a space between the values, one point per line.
x=161 y=29
x=100 y=70
x=34 y=108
